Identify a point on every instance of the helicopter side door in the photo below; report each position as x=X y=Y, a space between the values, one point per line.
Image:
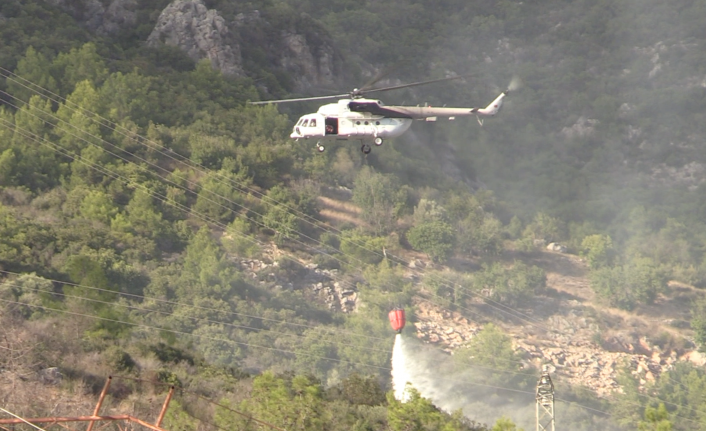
x=331 y=126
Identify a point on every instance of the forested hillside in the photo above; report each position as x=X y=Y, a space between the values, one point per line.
x=156 y=227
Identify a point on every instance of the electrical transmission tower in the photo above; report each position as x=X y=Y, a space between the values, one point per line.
x=545 y=402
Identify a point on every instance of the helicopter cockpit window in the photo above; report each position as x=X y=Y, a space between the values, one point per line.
x=312 y=123
x=306 y=120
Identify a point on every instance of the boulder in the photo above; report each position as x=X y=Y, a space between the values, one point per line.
x=50 y=376
x=556 y=247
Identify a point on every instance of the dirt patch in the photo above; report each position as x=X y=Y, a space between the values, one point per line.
x=338 y=212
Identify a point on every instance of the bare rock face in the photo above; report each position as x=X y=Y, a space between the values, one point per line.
x=97 y=18
x=299 y=47
x=310 y=67
x=200 y=32
x=118 y=15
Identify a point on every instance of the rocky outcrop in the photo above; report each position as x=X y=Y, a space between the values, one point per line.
x=118 y=15
x=450 y=329
x=317 y=283
x=299 y=46
x=570 y=349
x=311 y=67
x=200 y=32
x=98 y=18
x=582 y=128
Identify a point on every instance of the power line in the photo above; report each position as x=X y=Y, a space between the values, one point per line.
x=128 y=161
x=466 y=381
x=196 y=394
x=198 y=307
x=176 y=332
x=142 y=141
x=22 y=419
x=500 y=307
x=132 y=307
x=162 y=198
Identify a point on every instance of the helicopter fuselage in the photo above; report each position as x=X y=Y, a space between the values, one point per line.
x=339 y=121
x=370 y=118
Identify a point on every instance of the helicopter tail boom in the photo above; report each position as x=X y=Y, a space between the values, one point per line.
x=493 y=107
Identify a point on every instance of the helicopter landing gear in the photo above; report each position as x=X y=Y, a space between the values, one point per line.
x=320 y=147
x=365 y=148
x=378 y=141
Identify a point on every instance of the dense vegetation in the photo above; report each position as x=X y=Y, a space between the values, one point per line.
x=135 y=184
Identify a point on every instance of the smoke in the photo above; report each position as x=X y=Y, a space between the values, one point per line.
x=482 y=394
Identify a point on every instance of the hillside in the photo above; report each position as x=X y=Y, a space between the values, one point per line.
x=157 y=227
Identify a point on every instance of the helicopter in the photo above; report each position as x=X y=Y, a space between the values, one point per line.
x=355 y=117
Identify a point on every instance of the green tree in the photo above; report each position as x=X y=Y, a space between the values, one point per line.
x=8 y=161
x=78 y=65
x=129 y=96
x=294 y=403
x=636 y=282
x=91 y=280
x=210 y=151
x=207 y=274
x=428 y=210
x=24 y=243
x=239 y=240
x=220 y=197
x=491 y=347
x=435 y=238
x=78 y=127
x=29 y=289
x=698 y=323
x=598 y=250
x=682 y=388
x=656 y=419
x=33 y=71
x=375 y=194
x=509 y=285
x=98 y=206
x=362 y=390
x=37 y=164
x=364 y=248
x=415 y=414
x=505 y=424
x=144 y=218
x=279 y=217
x=479 y=232
x=545 y=227
x=178 y=419
x=7 y=122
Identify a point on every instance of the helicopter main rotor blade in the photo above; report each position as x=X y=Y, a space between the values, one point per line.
x=414 y=84
x=300 y=99
x=382 y=75
x=359 y=92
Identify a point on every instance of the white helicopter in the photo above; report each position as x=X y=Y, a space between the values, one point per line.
x=369 y=120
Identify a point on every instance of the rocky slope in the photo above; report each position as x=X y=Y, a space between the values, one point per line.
x=585 y=344
x=295 y=46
